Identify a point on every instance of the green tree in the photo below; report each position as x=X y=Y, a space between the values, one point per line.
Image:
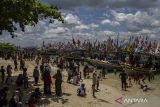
x=7 y=46
x=25 y=12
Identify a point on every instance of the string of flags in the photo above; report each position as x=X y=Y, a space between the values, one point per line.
x=132 y=44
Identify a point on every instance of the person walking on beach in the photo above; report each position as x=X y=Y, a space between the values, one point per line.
x=36 y=75
x=123 y=77
x=58 y=82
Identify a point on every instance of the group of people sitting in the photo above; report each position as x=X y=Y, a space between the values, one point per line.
x=74 y=74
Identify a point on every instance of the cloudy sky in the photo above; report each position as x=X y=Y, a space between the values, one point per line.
x=94 y=19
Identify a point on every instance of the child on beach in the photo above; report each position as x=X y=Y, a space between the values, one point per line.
x=81 y=91
x=144 y=87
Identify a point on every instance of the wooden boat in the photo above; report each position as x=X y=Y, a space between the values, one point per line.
x=119 y=67
x=105 y=64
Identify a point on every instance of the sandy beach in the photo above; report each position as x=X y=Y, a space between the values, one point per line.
x=110 y=90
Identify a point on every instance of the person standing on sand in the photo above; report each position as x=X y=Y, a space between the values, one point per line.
x=22 y=64
x=42 y=68
x=9 y=74
x=36 y=75
x=85 y=72
x=2 y=71
x=58 y=82
x=15 y=100
x=69 y=75
x=123 y=77
x=15 y=63
x=47 y=82
x=94 y=83
x=130 y=81
x=25 y=78
x=103 y=73
x=3 y=96
x=97 y=85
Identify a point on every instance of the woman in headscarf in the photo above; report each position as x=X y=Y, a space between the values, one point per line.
x=58 y=82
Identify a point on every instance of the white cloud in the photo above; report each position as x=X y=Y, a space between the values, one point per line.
x=57 y=30
x=93 y=25
x=145 y=31
x=112 y=23
x=81 y=27
x=106 y=33
x=72 y=19
x=120 y=17
x=109 y=32
x=156 y=23
x=106 y=21
x=73 y=4
x=137 y=21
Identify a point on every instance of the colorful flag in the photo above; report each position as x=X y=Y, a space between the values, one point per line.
x=157 y=49
x=73 y=41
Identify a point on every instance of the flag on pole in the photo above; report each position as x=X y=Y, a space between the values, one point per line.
x=78 y=43
x=43 y=44
x=117 y=40
x=157 y=49
x=74 y=42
